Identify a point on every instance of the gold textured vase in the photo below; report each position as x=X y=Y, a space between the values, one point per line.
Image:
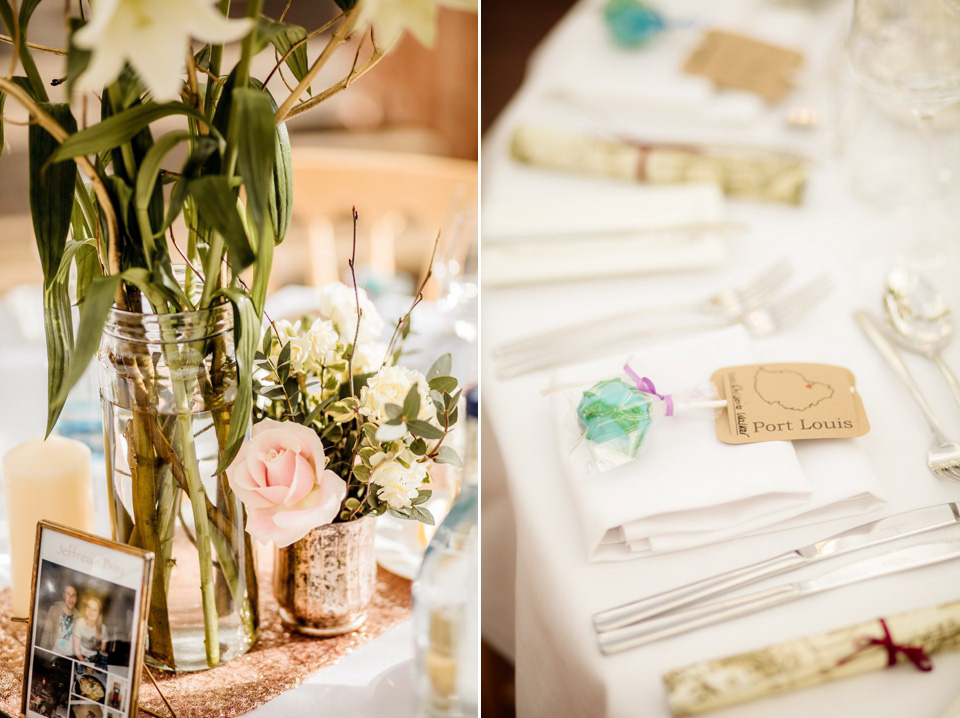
x=325 y=581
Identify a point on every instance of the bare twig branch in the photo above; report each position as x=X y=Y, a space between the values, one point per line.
x=339 y=37
x=162 y=697
x=417 y=298
x=356 y=74
x=34 y=46
x=356 y=294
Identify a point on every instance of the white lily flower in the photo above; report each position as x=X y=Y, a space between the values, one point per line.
x=390 y=18
x=153 y=37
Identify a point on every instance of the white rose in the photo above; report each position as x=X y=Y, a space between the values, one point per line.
x=288 y=333
x=321 y=339
x=391 y=385
x=339 y=304
x=399 y=485
x=368 y=357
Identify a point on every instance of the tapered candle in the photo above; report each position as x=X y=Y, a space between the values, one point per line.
x=43 y=480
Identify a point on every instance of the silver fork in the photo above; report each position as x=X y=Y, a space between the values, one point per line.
x=943 y=458
x=729 y=303
x=759 y=321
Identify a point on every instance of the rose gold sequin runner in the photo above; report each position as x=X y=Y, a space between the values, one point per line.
x=280 y=660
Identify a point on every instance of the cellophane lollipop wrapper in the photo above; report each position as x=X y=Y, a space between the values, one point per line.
x=609 y=422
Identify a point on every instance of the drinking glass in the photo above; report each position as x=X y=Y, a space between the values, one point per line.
x=910 y=50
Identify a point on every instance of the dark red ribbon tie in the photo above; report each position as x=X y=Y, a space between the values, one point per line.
x=915 y=654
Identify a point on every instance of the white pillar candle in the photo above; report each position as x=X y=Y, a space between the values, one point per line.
x=43 y=480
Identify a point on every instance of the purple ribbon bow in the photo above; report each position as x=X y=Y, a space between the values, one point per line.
x=646 y=386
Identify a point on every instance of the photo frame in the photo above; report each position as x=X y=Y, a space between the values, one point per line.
x=87 y=627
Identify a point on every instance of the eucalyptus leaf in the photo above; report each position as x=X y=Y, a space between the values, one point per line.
x=443 y=366
x=443 y=383
x=246 y=331
x=267 y=345
x=446 y=455
x=422 y=515
x=411 y=404
x=418 y=447
x=423 y=495
x=394 y=411
x=424 y=429
x=283 y=362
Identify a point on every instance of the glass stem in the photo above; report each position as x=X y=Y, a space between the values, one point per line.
x=927 y=248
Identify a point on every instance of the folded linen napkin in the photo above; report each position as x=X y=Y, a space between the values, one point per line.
x=687 y=488
x=600 y=228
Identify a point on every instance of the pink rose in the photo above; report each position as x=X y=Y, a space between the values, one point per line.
x=279 y=475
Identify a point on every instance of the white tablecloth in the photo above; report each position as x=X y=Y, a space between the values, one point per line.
x=560 y=671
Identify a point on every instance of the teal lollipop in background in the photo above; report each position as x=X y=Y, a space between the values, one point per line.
x=632 y=23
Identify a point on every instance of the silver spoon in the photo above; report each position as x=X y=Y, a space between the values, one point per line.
x=920 y=319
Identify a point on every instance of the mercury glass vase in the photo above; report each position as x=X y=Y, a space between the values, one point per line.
x=167 y=384
x=325 y=581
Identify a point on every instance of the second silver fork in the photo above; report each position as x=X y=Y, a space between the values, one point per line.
x=759 y=321
x=728 y=303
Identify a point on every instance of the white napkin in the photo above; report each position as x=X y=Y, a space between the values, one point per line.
x=689 y=489
x=600 y=228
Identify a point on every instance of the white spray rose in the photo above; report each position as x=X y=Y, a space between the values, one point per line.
x=288 y=333
x=399 y=485
x=321 y=339
x=339 y=304
x=391 y=385
x=369 y=357
x=154 y=37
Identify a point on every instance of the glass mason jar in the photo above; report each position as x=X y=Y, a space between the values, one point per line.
x=167 y=385
x=325 y=581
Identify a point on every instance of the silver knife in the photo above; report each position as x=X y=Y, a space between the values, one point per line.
x=890 y=528
x=699 y=616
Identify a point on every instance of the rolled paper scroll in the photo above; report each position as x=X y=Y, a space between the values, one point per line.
x=905 y=637
x=741 y=172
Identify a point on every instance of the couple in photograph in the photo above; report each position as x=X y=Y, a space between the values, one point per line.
x=75 y=628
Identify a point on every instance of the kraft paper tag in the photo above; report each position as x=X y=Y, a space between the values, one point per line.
x=742 y=63
x=777 y=402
